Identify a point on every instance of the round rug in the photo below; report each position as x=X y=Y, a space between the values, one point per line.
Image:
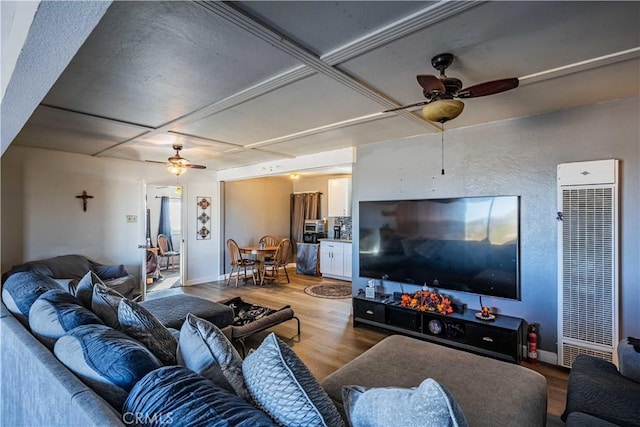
x=329 y=290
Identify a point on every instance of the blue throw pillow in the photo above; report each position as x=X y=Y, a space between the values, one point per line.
x=104 y=303
x=108 y=361
x=84 y=288
x=428 y=405
x=204 y=349
x=177 y=396
x=137 y=322
x=285 y=388
x=21 y=290
x=54 y=313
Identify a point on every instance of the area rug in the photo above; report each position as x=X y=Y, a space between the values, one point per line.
x=329 y=290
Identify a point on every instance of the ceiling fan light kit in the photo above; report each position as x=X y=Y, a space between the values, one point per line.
x=442 y=110
x=176 y=169
x=176 y=164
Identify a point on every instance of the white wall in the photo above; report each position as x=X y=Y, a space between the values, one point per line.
x=518 y=157
x=41 y=217
x=202 y=256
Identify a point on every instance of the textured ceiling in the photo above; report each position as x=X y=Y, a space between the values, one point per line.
x=248 y=82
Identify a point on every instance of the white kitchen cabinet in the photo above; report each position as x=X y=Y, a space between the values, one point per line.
x=339 y=197
x=335 y=259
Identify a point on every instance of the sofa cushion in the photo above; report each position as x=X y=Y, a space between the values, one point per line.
x=21 y=290
x=106 y=360
x=629 y=358
x=428 y=405
x=174 y=395
x=54 y=313
x=107 y=272
x=104 y=303
x=285 y=388
x=204 y=349
x=137 y=322
x=84 y=288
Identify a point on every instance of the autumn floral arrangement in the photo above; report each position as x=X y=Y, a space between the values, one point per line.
x=427 y=301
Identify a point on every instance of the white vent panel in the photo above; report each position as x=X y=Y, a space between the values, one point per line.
x=587 y=275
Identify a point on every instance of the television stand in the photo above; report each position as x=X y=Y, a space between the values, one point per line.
x=500 y=338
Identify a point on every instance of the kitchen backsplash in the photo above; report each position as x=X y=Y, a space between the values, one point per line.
x=345 y=224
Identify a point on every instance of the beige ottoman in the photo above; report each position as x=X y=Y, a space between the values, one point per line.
x=490 y=392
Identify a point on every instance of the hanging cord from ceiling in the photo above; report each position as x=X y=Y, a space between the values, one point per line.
x=442 y=147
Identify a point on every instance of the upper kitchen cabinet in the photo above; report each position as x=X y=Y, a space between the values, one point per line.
x=340 y=197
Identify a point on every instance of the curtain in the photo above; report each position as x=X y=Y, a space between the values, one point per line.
x=303 y=206
x=164 y=226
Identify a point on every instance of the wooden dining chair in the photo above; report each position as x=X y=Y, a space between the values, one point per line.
x=239 y=264
x=268 y=240
x=279 y=261
x=166 y=252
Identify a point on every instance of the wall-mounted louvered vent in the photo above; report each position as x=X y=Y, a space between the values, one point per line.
x=587 y=276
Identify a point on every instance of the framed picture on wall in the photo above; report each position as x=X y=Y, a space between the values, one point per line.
x=204 y=218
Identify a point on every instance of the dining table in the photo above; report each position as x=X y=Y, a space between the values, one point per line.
x=260 y=252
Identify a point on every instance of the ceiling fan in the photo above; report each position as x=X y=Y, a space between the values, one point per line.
x=440 y=91
x=177 y=165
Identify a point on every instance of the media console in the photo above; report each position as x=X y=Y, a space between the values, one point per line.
x=500 y=338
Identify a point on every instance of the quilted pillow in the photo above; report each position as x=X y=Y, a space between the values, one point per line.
x=204 y=349
x=285 y=388
x=137 y=322
x=84 y=288
x=21 y=290
x=108 y=361
x=54 y=313
x=174 y=395
x=104 y=303
x=428 y=405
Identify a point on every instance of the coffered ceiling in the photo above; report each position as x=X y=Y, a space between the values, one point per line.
x=242 y=83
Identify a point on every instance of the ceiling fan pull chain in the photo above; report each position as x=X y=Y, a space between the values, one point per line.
x=442 y=147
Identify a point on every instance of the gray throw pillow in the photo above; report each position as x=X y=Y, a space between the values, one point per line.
x=54 y=313
x=104 y=303
x=176 y=396
x=428 y=405
x=139 y=323
x=107 y=360
x=84 y=288
x=22 y=289
x=283 y=387
x=204 y=349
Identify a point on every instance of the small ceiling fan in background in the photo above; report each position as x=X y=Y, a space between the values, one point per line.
x=440 y=91
x=176 y=164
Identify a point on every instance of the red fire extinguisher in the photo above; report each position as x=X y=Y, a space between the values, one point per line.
x=532 y=344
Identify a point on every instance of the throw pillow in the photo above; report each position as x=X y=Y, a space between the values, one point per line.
x=54 y=313
x=104 y=303
x=281 y=384
x=21 y=290
x=174 y=395
x=204 y=349
x=106 y=272
x=428 y=405
x=84 y=288
x=137 y=322
x=107 y=360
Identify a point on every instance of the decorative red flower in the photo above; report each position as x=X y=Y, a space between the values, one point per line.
x=427 y=301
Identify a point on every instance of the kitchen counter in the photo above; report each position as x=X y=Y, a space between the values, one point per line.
x=336 y=240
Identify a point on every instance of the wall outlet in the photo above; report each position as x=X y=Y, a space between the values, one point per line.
x=132 y=218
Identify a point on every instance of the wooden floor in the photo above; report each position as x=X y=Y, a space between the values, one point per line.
x=328 y=339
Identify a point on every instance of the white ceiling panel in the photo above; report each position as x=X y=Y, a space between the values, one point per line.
x=152 y=62
x=389 y=128
x=325 y=26
x=305 y=104
x=76 y=133
x=241 y=158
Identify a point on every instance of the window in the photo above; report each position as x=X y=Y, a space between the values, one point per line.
x=175 y=210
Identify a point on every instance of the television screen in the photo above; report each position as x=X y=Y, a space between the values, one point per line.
x=464 y=244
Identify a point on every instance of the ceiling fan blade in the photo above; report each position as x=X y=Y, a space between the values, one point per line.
x=489 y=88
x=192 y=166
x=415 y=104
x=430 y=83
x=154 y=161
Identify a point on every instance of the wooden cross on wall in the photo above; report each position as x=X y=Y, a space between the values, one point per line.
x=84 y=196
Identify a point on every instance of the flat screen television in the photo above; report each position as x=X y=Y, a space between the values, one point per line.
x=468 y=244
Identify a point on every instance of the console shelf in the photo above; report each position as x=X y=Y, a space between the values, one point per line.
x=500 y=338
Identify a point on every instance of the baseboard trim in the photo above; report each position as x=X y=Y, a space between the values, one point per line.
x=543 y=356
x=200 y=281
